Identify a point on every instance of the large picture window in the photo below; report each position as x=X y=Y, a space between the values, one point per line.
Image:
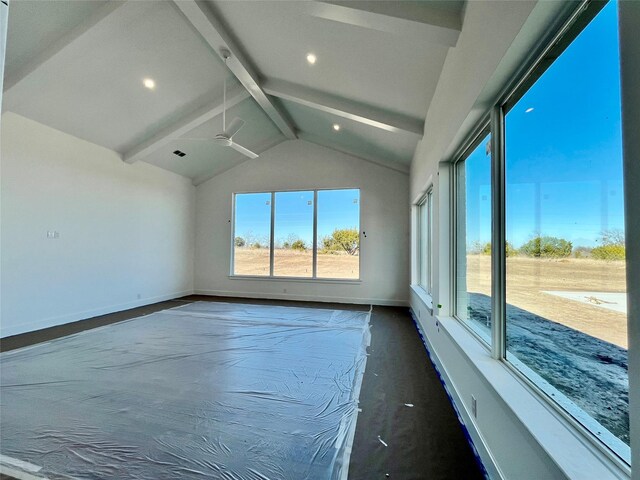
x=297 y=234
x=540 y=271
x=566 y=321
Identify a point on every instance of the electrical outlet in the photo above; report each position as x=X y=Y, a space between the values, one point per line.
x=284 y=290
x=474 y=406
x=139 y=296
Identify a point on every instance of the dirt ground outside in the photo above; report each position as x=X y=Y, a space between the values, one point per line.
x=528 y=278
x=293 y=263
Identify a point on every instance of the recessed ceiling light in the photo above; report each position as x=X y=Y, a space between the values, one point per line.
x=311 y=58
x=336 y=127
x=529 y=110
x=149 y=83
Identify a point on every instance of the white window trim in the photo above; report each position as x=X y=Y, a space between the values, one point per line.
x=314 y=277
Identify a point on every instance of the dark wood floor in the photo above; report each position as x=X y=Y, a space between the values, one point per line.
x=424 y=441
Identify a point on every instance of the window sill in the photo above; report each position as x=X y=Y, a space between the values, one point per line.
x=571 y=448
x=297 y=279
x=424 y=296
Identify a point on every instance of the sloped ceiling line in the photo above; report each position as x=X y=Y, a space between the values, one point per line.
x=367 y=158
x=262 y=147
x=217 y=37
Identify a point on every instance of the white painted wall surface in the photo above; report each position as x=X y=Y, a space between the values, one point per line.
x=126 y=232
x=301 y=165
x=518 y=436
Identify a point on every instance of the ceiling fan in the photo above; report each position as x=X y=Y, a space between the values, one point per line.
x=225 y=138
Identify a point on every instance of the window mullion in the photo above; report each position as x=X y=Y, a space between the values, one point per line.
x=315 y=234
x=271 y=239
x=498 y=241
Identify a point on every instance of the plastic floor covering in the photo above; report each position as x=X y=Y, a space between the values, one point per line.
x=205 y=390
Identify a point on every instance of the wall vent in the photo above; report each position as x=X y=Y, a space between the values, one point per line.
x=179 y=153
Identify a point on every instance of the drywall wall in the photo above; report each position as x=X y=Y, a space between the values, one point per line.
x=302 y=165
x=517 y=435
x=124 y=236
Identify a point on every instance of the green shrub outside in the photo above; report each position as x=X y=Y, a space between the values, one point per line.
x=609 y=252
x=547 y=247
x=298 y=245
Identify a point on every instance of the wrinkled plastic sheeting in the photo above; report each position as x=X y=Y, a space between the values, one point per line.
x=206 y=390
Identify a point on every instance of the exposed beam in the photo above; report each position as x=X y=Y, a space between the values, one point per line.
x=50 y=51
x=218 y=38
x=382 y=162
x=260 y=149
x=407 y=18
x=342 y=107
x=184 y=125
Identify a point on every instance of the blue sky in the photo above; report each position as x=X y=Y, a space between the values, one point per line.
x=294 y=214
x=564 y=157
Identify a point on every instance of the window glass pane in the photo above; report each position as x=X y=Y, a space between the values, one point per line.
x=566 y=290
x=338 y=234
x=473 y=239
x=293 y=234
x=423 y=247
x=252 y=231
x=425 y=228
x=429 y=253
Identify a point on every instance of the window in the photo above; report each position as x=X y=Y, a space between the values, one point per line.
x=297 y=234
x=252 y=234
x=425 y=229
x=558 y=313
x=293 y=249
x=566 y=322
x=473 y=237
x=338 y=234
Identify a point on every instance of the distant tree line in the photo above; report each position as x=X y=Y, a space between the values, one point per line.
x=611 y=247
x=341 y=240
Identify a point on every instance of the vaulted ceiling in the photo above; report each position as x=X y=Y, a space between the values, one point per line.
x=79 y=66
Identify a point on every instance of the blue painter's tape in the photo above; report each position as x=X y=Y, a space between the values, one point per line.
x=446 y=389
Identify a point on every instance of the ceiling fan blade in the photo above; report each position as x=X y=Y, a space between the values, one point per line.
x=245 y=151
x=234 y=126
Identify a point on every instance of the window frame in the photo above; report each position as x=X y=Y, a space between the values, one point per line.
x=475 y=139
x=313 y=277
x=563 y=33
x=426 y=201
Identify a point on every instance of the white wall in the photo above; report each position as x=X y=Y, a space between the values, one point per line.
x=126 y=232
x=302 y=165
x=517 y=435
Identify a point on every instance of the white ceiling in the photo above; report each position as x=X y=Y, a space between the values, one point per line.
x=78 y=66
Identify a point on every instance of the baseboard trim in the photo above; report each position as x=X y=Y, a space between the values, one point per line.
x=304 y=298
x=83 y=315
